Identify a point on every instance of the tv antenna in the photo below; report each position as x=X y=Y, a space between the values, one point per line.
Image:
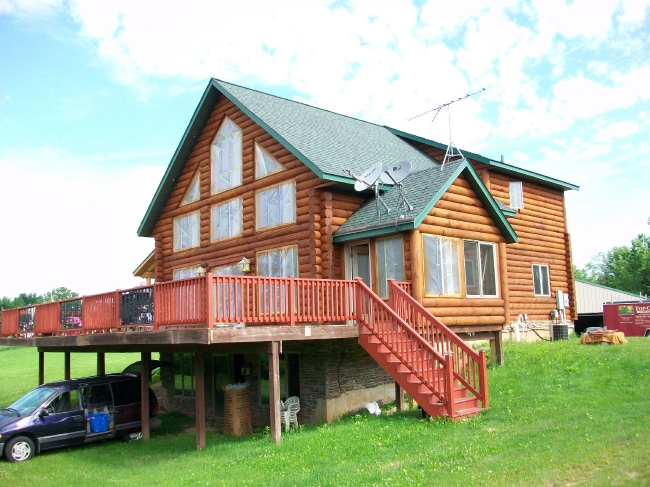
x=370 y=180
x=395 y=174
x=452 y=152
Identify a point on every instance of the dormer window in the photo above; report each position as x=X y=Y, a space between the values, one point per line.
x=516 y=195
x=265 y=164
x=226 y=157
x=194 y=192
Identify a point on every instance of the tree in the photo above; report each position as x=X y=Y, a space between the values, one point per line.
x=29 y=299
x=624 y=268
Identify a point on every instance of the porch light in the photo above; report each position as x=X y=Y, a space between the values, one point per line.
x=200 y=271
x=244 y=264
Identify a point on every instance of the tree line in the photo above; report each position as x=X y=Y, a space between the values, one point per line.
x=29 y=299
x=626 y=268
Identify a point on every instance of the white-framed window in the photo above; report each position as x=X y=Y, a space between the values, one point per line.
x=390 y=262
x=480 y=268
x=265 y=163
x=185 y=272
x=541 y=280
x=441 y=265
x=194 y=192
x=275 y=205
x=187 y=231
x=226 y=157
x=281 y=262
x=516 y=195
x=228 y=296
x=226 y=220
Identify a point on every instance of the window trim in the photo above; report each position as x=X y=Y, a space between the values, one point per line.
x=548 y=277
x=241 y=232
x=241 y=167
x=399 y=236
x=496 y=270
x=295 y=204
x=257 y=145
x=461 y=267
x=198 y=226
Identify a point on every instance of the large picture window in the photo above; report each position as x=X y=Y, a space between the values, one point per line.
x=275 y=205
x=227 y=157
x=187 y=231
x=441 y=266
x=184 y=374
x=480 y=268
x=541 y=283
x=282 y=262
x=228 y=295
x=390 y=262
x=227 y=220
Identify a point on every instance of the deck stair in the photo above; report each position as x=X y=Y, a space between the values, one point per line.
x=432 y=364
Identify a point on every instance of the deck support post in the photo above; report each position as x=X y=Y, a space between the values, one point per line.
x=274 y=391
x=496 y=348
x=101 y=364
x=450 y=383
x=144 y=393
x=41 y=368
x=417 y=270
x=399 y=398
x=66 y=366
x=199 y=396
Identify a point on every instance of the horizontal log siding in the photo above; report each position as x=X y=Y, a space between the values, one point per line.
x=460 y=214
x=541 y=228
x=305 y=232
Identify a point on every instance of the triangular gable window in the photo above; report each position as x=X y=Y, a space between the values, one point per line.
x=265 y=164
x=194 y=193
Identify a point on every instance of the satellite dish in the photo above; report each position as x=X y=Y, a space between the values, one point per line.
x=395 y=173
x=369 y=177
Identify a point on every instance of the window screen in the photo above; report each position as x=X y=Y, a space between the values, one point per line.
x=390 y=262
x=276 y=205
x=227 y=157
x=480 y=268
x=541 y=284
x=441 y=265
x=227 y=219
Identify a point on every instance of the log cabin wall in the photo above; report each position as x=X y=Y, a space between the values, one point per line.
x=305 y=232
x=460 y=214
x=543 y=239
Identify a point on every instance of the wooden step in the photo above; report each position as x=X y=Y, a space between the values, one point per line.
x=464 y=413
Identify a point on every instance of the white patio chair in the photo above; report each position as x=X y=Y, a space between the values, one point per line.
x=289 y=415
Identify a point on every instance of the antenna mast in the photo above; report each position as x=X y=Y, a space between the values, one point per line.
x=452 y=151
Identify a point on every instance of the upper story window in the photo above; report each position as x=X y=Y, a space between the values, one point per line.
x=480 y=268
x=187 y=231
x=516 y=195
x=194 y=192
x=265 y=164
x=186 y=272
x=390 y=262
x=227 y=157
x=275 y=205
x=541 y=280
x=227 y=219
x=441 y=265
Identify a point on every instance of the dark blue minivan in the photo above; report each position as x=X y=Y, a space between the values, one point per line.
x=73 y=412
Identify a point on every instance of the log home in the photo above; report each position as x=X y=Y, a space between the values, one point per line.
x=270 y=268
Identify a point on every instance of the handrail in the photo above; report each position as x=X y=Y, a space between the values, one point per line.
x=468 y=364
x=412 y=350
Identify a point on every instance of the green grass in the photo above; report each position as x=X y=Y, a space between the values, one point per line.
x=561 y=414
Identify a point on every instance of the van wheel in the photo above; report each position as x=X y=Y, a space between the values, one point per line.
x=19 y=449
x=132 y=437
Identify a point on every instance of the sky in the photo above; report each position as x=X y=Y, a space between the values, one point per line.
x=95 y=96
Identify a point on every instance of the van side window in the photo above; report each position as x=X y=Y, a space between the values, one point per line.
x=126 y=392
x=98 y=396
x=64 y=403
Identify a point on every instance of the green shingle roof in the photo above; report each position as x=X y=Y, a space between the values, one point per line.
x=328 y=143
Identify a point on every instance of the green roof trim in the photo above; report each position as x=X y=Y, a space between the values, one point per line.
x=507 y=168
x=386 y=228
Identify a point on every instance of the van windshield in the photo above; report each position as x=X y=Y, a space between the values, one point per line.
x=30 y=401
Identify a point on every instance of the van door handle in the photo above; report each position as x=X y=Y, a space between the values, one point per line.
x=78 y=418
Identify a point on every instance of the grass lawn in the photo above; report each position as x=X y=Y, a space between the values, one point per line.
x=561 y=414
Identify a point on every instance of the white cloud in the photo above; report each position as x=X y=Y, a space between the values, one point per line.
x=30 y=8
x=617 y=130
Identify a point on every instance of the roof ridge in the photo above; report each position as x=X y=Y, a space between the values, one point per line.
x=302 y=103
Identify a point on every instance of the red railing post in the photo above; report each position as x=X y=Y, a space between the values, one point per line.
x=449 y=379
x=156 y=307
x=116 y=309
x=209 y=299
x=482 y=376
x=292 y=311
x=357 y=301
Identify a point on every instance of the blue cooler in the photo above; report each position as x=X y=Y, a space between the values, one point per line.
x=98 y=422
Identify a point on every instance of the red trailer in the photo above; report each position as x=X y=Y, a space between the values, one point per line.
x=633 y=319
